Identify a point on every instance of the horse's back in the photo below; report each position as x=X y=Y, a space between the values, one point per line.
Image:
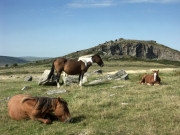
x=73 y=67
x=15 y=107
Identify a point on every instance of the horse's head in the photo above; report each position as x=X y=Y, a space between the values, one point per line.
x=155 y=73
x=62 y=110
x=97 y=59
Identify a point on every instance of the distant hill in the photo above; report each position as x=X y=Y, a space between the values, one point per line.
x=18 y=60
x=10 y=60
x=137 y=48
x=30 y=58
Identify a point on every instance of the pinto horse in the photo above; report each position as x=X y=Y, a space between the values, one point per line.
x=38 y=108
x=151 y=79
x=73 y=67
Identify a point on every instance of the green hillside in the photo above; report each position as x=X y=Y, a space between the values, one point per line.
x=10 y=60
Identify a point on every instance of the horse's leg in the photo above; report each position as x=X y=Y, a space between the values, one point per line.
x=51 y=116
x=45 y=121
x=35 y=116
x=157 y=83
x=142 y=81
x=81 y=79
x=58 y=78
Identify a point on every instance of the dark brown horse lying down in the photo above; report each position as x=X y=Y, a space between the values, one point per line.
x=74 y=67
x=38 y=108
x=151 y=79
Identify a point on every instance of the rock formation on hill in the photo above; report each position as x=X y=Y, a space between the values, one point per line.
x=136 y=48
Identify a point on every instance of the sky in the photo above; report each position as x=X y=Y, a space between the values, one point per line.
x=53 y=28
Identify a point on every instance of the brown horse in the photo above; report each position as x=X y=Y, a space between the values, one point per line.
x=151 y=79
x=38 y=108
x=74 y=67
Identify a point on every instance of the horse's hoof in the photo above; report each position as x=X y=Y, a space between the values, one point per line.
x=58 y=85
x=48 y=121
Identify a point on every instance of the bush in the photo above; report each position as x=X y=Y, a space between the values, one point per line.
x=15 y=65
x=177 y=73
x=6 y=65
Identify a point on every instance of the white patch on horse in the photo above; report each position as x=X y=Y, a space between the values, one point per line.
x=80 y=83
x=58 y=85
x=155 y=75
x=85 y=60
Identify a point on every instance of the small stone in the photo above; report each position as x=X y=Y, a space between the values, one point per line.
x=26 y=88
x=124 y=103
x=112 y=95
x=56 y=91
x=28 y=78
x=97 y=81
x=119 y=86
x=98 y=71
x=5 y=99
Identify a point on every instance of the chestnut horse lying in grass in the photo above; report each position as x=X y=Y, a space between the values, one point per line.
x=73 y=67
x=151 y=79
x=38 y=108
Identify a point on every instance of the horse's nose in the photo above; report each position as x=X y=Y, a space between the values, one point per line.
x=102 y=65
x=68 y=120
x=71 y=120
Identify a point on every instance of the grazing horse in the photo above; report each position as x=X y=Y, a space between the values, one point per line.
x=73 y=67
x=151 y=79
x=38 y=108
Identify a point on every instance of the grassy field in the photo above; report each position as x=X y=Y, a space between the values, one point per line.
x=99 y=109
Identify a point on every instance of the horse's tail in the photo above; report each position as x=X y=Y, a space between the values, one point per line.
x=52 y=71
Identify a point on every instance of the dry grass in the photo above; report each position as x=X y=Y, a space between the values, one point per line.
x=100 y=109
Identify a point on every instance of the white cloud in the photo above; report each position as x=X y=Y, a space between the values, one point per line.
x=151 y=1
x=109 y=3
x=91 y=3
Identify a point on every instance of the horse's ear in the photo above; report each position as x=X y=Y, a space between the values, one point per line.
x=158 y=70
x=61 y=100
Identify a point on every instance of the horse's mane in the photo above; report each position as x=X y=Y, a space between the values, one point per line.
x=43 y=103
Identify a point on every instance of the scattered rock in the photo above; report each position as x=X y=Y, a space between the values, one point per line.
x=124 y=103
x=5 y=99
x=72 y=79
x=85 y=79
x=120 y=75
x=98 y=71
x=28 y=78
x=112 y=95
x=26 y=88
x=119 y=86
x=43 y=79
x=56 y=91
x=67 y=79
x=97 y=81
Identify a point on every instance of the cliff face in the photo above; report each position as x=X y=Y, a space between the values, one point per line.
x=136 y=48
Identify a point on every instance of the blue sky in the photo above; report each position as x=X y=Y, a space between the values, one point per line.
x=52 y=28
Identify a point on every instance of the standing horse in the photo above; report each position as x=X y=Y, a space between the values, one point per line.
x=73 y=67
x=151 y=79
x=38 y=108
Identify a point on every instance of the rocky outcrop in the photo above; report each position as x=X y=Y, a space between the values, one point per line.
x=43 y=79
x=67 y=79
x=119 y=75
x=136 y=48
